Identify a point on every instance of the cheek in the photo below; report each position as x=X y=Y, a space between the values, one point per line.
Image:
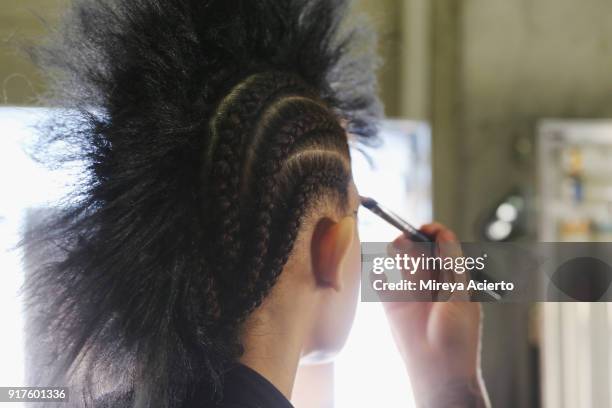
x=352 y=272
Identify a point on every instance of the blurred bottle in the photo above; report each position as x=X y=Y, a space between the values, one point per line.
x=575 y=225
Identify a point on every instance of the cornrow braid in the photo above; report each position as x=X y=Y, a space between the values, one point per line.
x=291 y=216
x=236 y=115
x=293 y=128
x=288 y=126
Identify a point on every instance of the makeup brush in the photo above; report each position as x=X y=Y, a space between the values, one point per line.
x=413 y=234
x=410 y=231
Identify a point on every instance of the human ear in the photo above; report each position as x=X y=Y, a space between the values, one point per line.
x=331 y=242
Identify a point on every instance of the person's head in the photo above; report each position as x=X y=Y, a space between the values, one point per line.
x=215 y=138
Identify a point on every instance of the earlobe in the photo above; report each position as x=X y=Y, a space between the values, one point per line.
x=331 y=243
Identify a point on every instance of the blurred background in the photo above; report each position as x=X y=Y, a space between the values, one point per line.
x=516 y=99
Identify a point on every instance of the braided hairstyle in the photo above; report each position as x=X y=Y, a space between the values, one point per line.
x=208 y=129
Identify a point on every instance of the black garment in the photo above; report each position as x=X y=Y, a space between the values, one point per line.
x=245 y=388
x=242 y=388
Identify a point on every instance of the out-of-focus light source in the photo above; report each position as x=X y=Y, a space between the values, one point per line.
x=507 y=212
x=499 y=230
x=504 y=221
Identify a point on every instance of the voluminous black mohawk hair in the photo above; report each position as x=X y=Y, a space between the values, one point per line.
x=137 y=83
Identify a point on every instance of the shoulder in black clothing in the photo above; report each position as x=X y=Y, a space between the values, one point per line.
x=243 y=388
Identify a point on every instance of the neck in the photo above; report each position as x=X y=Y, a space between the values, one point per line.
x=273 y=345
